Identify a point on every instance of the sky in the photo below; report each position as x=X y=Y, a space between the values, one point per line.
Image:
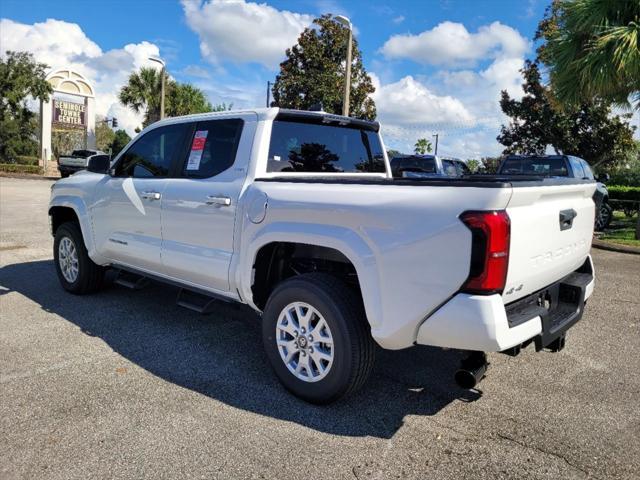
x=438 y=65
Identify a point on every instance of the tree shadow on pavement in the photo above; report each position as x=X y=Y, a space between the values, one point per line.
x=221 y=356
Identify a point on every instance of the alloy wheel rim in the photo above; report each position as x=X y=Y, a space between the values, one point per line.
x=68 y=259
x=304 y=341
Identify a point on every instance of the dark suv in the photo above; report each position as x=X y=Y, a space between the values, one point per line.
x=562 y=166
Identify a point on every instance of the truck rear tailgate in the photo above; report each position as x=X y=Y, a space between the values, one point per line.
x=551 y=233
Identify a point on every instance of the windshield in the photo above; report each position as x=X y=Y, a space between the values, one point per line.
x=405 y=166
x=298 y=146
x=83 y=153
x=549 y=166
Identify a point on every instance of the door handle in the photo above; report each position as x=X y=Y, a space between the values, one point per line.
x=218 y=200
x=151 y=195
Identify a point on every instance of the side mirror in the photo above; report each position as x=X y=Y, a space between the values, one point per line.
x=604 y=177
x=99 y=164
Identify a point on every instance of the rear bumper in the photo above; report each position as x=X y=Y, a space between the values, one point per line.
x=484 y=323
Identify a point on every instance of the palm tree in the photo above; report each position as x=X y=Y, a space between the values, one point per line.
x=142 y=93
x=185 y=99
x=592 y=49
x=422 y=146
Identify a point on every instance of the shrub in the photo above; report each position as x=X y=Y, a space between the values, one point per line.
x=26 y=160
x=623 y=192
x=626 y=177
x=16 y=168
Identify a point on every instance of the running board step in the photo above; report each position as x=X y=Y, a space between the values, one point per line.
x=131 y=280
x=199 y=302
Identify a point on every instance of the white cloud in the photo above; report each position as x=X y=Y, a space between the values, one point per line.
x=459 y=84
x=451 y=44
x=243 y=31
x=399 y=19
x=196 y=71
x=62 y=44
x=408 y=101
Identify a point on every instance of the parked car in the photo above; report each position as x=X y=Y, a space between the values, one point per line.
x=563 y=166
x=78 y=160
x=415 y=166
x=296 y=215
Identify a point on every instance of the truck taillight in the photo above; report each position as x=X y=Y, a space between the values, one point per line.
x=490 y=233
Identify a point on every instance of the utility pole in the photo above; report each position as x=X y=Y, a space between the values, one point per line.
x=347 y=76
x=436 y=135
x=268 y=93
x=162 y=74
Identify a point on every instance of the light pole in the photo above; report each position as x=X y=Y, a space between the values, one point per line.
x=162 y=73
x=347 y=80
x=436 y=135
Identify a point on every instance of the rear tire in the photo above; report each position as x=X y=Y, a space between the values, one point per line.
x=339 y=358
x=76 y=271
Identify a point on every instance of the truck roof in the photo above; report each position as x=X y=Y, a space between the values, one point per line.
x=269 y=113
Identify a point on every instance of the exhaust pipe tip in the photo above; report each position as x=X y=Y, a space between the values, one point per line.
x=471 y=372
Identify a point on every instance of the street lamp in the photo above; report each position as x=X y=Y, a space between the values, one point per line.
x=162 y=73
x=347 y=80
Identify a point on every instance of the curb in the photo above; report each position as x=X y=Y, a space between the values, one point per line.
x=613 y=247
x=26 y=176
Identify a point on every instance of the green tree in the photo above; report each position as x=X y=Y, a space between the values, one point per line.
x=185 y=99
x=142 y=93
x=222 y=107
x=21 y=77
x=490 y=165
x=474 y=165
x=422 y=146
x=314 y=72
x=391 y=153
x=104 y=134
x=120 y=139
x=588 y=130
x=592 y=49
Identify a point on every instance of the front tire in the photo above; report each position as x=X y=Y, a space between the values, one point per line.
x=605 y=214
x=317 y=338
x=76 y=271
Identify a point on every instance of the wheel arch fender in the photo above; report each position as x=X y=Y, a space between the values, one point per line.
x=84 y=220
x=344 y=240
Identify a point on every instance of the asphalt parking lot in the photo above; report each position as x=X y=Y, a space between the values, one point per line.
x=125 y=384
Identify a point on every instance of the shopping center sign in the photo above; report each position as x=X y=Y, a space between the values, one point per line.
x=69 y=113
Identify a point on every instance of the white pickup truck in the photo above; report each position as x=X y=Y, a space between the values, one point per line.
x=296 y=214
x=76 y=161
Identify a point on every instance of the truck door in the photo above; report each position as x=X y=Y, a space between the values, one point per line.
x=127 y=207
x=200 y=205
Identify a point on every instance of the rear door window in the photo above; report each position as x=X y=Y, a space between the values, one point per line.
x=449 y=168
x=298 y=146
x=213 y=147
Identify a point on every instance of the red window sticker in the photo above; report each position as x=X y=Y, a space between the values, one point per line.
x=199 y=140
x=197 y=147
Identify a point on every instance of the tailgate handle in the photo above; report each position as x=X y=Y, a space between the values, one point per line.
x=566 y=218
